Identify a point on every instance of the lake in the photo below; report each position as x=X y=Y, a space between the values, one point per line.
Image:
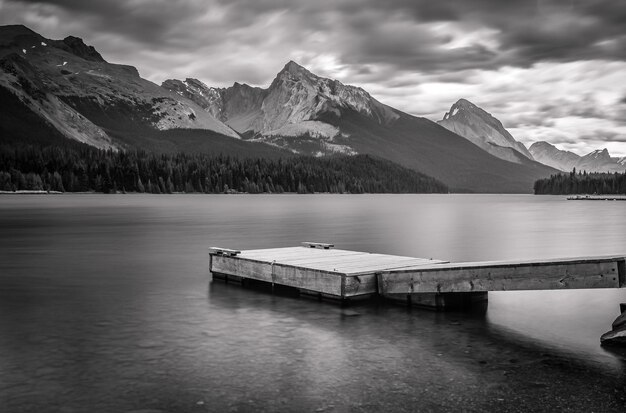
x=107 y=305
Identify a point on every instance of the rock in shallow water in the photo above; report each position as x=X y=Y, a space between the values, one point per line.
x=615 y=337
x=619 y=322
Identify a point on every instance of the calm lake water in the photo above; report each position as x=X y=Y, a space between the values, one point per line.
x=107 y=305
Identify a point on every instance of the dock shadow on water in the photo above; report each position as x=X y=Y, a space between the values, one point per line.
x=106 y=304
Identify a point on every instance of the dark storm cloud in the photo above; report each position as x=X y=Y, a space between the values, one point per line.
x=394 y=32
x=149 y=21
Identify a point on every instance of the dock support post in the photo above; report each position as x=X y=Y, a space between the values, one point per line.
x=448 y=301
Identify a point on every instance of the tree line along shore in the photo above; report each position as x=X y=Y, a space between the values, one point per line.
x=582 y=182
x=79 y=168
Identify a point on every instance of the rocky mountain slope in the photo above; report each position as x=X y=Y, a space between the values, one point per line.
x=306 y=113
x=87 y=99
x=596 y=161
x=289 y=108
x=484 y=130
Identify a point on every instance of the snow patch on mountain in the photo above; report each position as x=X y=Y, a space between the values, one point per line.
x=312 y=128
x=599 y=153
x=337 y=148
x=176 y=114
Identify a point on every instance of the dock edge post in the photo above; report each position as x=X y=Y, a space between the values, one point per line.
x=210 y=262
x=621 y=272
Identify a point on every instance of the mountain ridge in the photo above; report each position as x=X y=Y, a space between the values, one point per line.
x=314 y=115
x=83 y=96
x=252 y=110
x=598 y=160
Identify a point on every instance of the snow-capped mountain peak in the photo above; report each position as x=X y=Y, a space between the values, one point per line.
x=461 y=107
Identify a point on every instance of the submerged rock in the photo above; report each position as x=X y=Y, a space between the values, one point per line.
x=617 y=336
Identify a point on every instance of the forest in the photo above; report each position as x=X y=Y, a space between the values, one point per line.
x=80 y=168
x=582 y=183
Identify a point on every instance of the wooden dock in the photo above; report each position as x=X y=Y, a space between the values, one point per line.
x=597 y=198
x=318 y=268
x=312 y=268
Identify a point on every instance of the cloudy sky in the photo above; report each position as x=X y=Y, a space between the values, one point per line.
x=551 y=70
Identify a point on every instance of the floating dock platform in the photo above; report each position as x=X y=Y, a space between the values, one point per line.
x=314 y=268
x=319 y=269
x=597 y=198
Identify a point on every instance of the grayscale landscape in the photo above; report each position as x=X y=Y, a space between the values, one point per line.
x=458 y=169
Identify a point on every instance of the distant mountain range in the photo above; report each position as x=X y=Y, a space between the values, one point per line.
x=305 y=113
x=596 y=161
x=57 y=89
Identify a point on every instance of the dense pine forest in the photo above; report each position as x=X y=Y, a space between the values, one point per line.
x=582 y=183
x=80 y=168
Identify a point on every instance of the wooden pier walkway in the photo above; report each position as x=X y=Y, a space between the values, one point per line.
x=320 y=269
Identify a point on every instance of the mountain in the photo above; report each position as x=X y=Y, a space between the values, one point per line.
x=596 y=161
x=309 y=114
x=482 y=129
x=76 y=93
x=550 y=155
x=59 y=89
x=289 y=108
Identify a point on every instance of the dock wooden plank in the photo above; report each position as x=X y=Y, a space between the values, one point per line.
x=364 y=284
x=334 y=262
x=322 y=260
x=576 y=273
x=241 y=267
x=306 y=279
x=405 y=267
x=298 y=252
